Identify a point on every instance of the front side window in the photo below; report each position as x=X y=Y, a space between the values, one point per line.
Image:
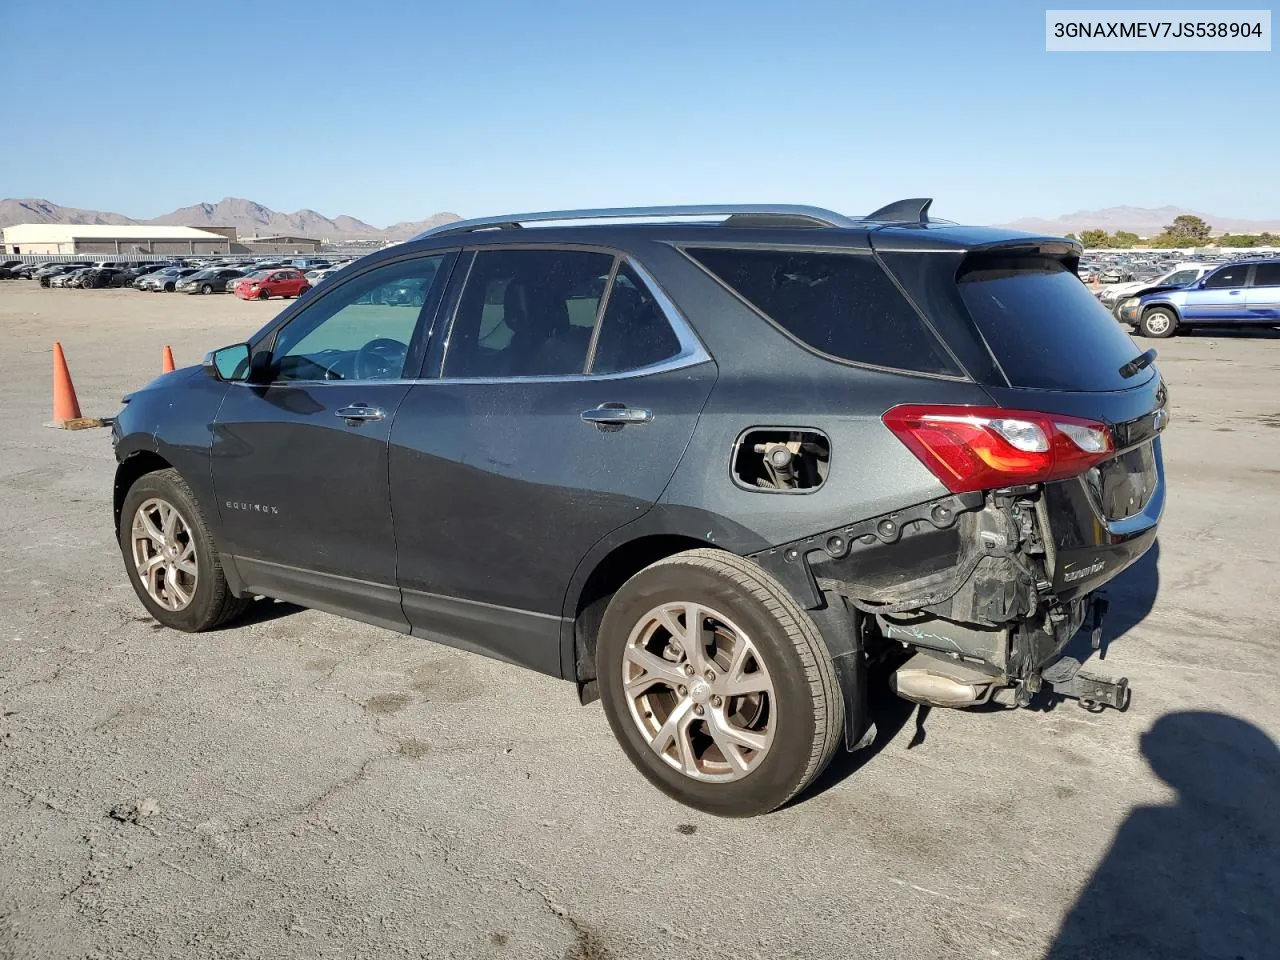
x=361 y=330
x=841 y=304
x=526 y=313
x=1227 y=277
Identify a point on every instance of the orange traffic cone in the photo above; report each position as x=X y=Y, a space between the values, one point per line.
x=166 y=364
x=66 y=408
x=65 y=405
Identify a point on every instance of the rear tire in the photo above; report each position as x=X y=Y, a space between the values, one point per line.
x=187 y=589
x=745 y=741
x=1158 y=323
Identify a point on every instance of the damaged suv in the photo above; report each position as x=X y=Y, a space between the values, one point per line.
x=707 y=463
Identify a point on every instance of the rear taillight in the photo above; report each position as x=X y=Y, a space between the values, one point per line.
x=978 y=448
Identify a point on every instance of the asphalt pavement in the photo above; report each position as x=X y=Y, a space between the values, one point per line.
x=303 y=786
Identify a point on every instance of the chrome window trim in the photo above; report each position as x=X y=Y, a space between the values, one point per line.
x=692 y=352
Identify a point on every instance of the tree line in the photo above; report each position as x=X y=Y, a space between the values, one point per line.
x=1185 y=231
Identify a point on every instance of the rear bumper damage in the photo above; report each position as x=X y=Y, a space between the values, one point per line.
x=982 y=591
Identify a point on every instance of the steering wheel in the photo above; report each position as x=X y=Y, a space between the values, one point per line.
x=381 y=359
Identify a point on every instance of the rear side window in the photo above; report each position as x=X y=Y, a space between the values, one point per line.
x=634 y=332
x=527 y=313
x=840 y=304
x=1044 y=328
x=1266 y=275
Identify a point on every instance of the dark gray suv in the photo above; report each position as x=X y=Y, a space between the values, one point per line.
x=709 y=467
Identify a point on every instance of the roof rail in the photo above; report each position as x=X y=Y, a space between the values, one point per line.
x=755 y=213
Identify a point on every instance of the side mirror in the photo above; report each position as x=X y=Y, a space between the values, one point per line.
x=228 y=364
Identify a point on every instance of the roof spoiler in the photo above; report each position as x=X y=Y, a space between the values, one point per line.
x=915 y=210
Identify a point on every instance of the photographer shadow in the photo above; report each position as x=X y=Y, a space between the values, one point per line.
x=1199 y=877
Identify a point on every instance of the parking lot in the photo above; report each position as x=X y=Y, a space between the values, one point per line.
x=305 y=786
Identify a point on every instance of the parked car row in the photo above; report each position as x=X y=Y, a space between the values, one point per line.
x=249 y=279
x=1110 y=268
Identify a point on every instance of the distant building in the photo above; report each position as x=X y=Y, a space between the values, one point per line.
x=229 y=232
x=278 y=244
x=53 y=238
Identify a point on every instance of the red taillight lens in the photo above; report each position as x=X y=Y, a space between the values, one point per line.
x=977 y=448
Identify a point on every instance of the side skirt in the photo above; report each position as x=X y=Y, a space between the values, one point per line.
x=522 y=637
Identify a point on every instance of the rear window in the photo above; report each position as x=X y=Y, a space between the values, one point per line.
x=841 y=304
x=1046 y=330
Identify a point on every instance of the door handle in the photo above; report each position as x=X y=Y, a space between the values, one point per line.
x=615 y=416
x=360 y=412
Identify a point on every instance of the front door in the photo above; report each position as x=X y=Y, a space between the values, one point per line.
x=300 y=458
x=1263 y=294
x=566 y=399
x=1221 y=299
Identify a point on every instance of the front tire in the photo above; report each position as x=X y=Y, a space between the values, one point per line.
x=1158 y=323
x=170 y=557
x=734 y=714
x=206 y=289
x=264 y=295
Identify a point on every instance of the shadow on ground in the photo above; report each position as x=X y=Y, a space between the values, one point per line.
x=1200 y=876
x=263 y=610
x=1233 y=333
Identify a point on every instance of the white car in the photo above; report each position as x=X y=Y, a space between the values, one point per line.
x=315 y=276
x=1181 y=275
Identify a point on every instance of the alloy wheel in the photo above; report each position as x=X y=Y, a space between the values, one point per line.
x=164 y=554
x=699 y=692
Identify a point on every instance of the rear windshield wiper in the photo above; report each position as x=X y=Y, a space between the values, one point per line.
x=1138 y=363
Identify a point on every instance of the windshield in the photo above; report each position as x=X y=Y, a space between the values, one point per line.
x=1044 y=328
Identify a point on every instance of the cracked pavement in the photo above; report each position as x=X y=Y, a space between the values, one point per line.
x=323 y=788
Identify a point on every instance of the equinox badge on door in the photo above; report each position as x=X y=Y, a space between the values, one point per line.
x=251 y=507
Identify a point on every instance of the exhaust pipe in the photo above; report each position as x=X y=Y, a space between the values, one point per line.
x=940 y=682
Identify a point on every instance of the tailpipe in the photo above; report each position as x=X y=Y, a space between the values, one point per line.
x=941 y=682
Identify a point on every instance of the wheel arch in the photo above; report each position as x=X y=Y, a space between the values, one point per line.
x=586 y=604
x=1163 y=305
x=130 y=470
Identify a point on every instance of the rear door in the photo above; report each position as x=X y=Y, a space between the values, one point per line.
x=1220 y=298
x=1263 y=294
x=567 y=390
x=299 y=459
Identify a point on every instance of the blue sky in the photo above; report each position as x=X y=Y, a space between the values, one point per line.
x=393 y=110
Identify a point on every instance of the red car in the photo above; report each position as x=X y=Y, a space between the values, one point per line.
x=285 y=282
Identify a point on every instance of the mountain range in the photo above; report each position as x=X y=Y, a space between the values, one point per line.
x=1144 y=221
x=247 y=216
x=252 y=218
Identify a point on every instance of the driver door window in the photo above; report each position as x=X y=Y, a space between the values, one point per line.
x=362 y=330
x=1227 y=277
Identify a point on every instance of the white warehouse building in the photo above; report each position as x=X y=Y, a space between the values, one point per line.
x=55 y=238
